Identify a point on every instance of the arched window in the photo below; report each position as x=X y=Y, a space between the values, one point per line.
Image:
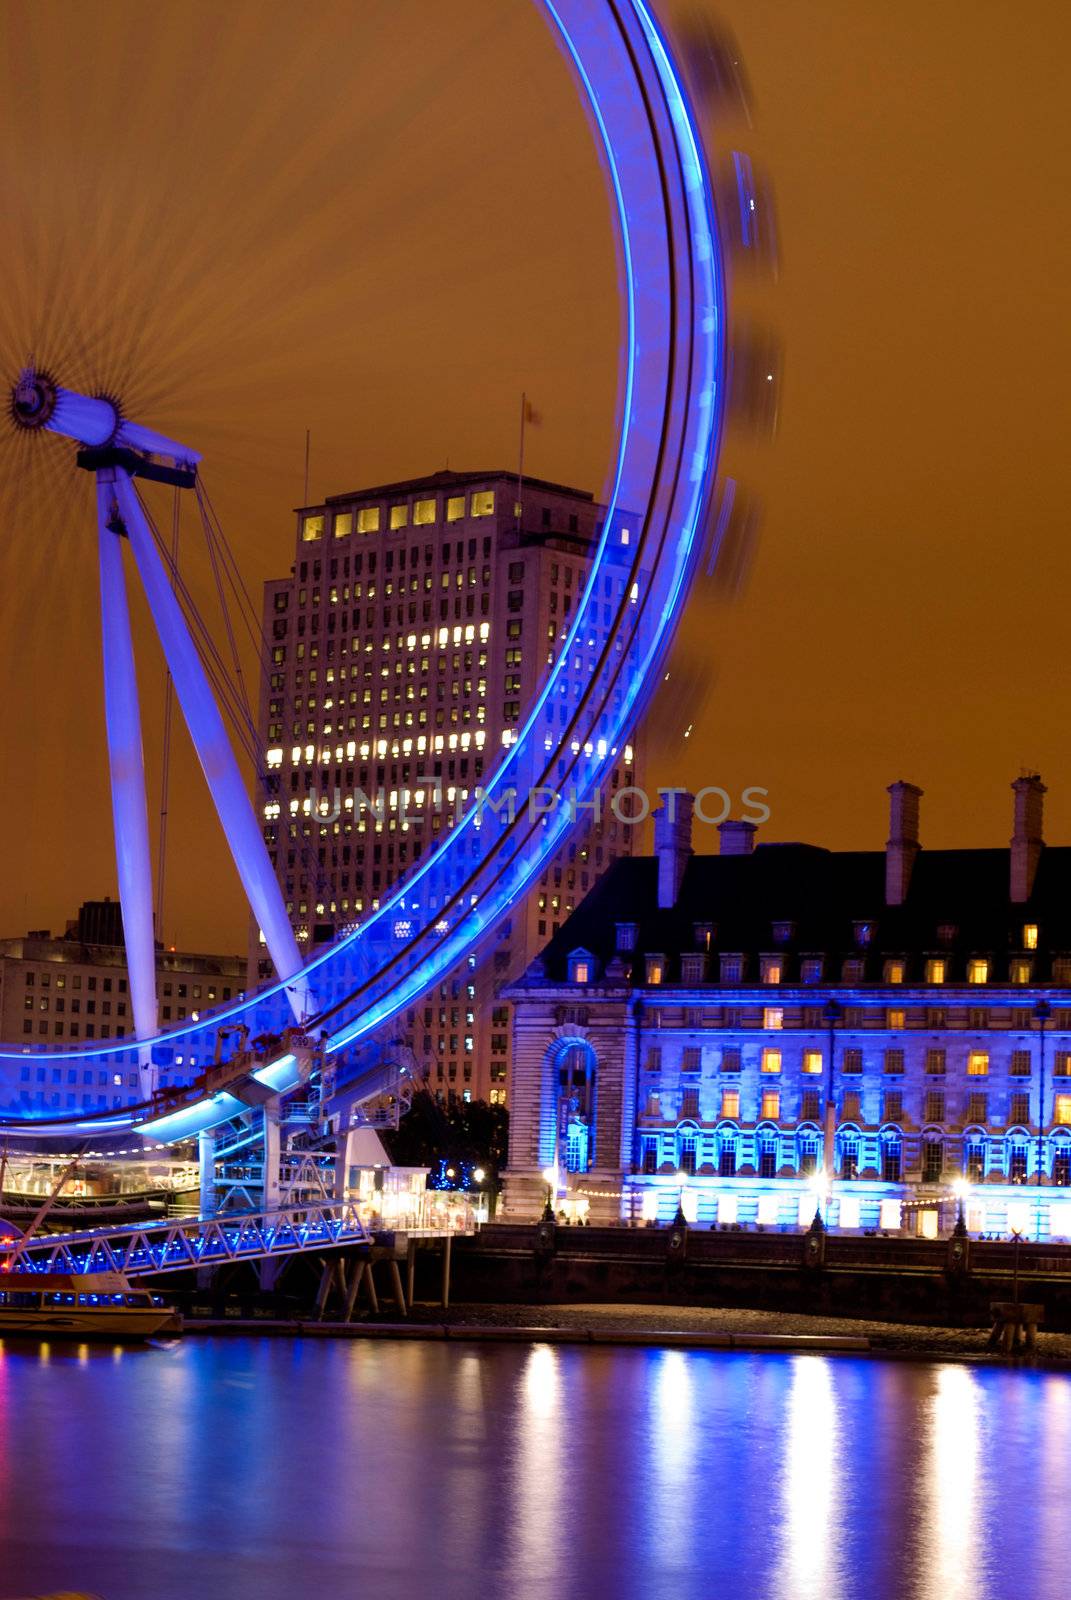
x=891 y=1155
x=974 y=1153
x=687 y=1147
x=933 y=1157
x=768 y=1153
x=809 y=1148
x=1061 y=1162
x=574 y=1069
x=1018 y=1158
x=848 y=1152
x=728 y=1150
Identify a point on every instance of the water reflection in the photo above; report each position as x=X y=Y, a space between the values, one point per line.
x=951 y=1563
x=811 y=1481
x=540 y=1478
x=267 y=1469
x=671 y=1477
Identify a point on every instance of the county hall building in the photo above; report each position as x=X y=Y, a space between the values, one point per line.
x=780 y=1027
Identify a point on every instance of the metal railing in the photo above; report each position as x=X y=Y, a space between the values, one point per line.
x=137 y=1249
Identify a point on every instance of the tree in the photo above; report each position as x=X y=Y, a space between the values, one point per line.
x=461 y=1133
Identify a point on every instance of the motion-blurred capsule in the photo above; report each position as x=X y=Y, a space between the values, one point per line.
x=746 y=214
x=712 y=65
x=755 y=366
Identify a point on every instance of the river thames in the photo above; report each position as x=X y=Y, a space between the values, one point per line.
x=259 y=1468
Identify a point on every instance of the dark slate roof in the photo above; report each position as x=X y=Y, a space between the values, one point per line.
x=824 y=893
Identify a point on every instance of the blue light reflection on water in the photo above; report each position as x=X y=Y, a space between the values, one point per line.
x=264 y=1468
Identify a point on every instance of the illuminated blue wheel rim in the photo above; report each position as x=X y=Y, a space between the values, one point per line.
x=672 y=398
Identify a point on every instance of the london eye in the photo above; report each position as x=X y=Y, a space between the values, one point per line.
x=653 y=536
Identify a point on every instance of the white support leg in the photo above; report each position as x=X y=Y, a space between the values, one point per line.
x=206 y=1158
x=218 y=762
x=122 y=718
x=272 y=1156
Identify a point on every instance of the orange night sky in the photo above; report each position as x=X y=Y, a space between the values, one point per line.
x=383 y=219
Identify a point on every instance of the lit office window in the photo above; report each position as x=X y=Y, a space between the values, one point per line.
x=730 y=1103
x=312 y=528
x=773 y=1017
x=399 y=517
x=771 y=1107
x=368 y=519
x=483 y=503
x=343 y=524
x=894 y=972
x=812 y=1061
x=935 y=970
x=1030 y=936
x=978 y=1064
x=771 y=1060
x=423 y=512
x=455 y=508
x=978 y=971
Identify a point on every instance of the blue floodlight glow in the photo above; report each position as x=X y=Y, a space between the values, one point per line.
x=671 y=403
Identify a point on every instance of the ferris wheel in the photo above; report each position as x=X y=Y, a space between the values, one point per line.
x=673 y=385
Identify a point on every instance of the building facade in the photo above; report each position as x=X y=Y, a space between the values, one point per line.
x=72 y=990
x=779 y=1029
x=414 y=628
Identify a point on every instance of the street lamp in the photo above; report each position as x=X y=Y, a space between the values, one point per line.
x=550 y=1178
x=1042 y=1011
x=961 y=1189
x=822 y=1189
x=682 y=1179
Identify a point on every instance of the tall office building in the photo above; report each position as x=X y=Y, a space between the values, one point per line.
x=412 y=632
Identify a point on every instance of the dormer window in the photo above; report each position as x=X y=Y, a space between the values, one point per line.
x=894 y=971
x=732 y=969
x=946 y=932
x=864 y=933
x=1020 y=970
x=783 y=932
x=852 y=970
x=704 y=933
x=626 y=935
x=936 y=970
x=811 y=969
x=692 y=968
x=581 y=966
x=656 y=969
x=771 y=969
x=978 y=970
x=1030 y=935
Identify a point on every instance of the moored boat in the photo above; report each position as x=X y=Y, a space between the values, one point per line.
x=58 y=1305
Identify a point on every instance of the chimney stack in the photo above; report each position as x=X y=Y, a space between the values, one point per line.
x=736 y=838
x=673 y=844
x=902 y=845
x=1026 y=840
